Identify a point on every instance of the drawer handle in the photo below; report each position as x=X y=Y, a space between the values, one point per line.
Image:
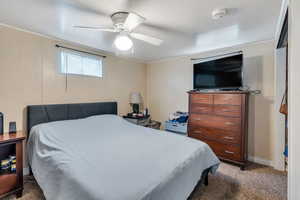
x=229 y=152
x=202 y=98
x=228 y=138
x=225 y=110
x=198 y=119
x=229 y=123
x=198 y=131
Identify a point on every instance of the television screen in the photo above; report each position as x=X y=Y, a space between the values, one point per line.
x=219 y=73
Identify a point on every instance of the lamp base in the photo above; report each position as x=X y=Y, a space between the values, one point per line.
x=136 y=108
x=1 y=123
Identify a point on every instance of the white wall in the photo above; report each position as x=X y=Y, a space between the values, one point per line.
x=169 y=80
x=294 y=101
x=29 y=74
x=280 y=86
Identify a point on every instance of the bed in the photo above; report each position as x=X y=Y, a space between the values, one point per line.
x=86 y=151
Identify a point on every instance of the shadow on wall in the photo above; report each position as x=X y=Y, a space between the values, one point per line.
x=24 y=120
x=260 y=108
x=24 y=128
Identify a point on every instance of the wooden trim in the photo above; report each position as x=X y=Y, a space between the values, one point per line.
x=16 y=191
x=12 y=138
x=219 y=92
x=19 y=157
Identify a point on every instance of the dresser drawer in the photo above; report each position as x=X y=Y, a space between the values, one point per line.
x=229 y=99
x=201 y=98
x=201 y=108
x=225 y=151
x=227 y=110
x=8 y=183
x=224 y=136
x=210 y=121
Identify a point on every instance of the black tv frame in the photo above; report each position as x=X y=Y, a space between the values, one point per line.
x=220 y=57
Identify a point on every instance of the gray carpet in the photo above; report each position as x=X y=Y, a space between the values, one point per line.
x=257 y=182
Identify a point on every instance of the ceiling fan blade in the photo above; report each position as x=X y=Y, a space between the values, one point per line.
x=146 y=38
x=96 y=28
x=132 y=21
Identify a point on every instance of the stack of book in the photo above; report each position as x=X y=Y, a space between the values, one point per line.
x=8 y=165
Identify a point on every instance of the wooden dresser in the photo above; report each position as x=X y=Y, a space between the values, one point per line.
x=220 y=119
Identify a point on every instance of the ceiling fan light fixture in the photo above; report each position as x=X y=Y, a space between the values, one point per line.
x=219 y=13
x=125 y=23
x=123 y=43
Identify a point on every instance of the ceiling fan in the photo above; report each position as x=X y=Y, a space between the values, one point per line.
x=124 y=24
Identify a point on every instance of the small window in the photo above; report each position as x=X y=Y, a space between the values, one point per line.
x=78 y=63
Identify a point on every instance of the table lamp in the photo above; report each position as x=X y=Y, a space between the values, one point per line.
x=135 y=101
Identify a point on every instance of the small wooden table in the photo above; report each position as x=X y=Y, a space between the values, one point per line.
x=142 y=121
x=12 y=182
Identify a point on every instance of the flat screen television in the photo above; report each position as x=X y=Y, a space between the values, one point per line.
x=221 y=73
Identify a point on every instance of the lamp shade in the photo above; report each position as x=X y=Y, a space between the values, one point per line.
x=135 y=98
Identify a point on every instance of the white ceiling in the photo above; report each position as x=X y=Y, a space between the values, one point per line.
x=185 y=26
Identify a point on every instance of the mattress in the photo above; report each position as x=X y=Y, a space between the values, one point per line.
x=107 y=158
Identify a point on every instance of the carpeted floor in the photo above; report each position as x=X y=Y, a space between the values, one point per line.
x=257 y=182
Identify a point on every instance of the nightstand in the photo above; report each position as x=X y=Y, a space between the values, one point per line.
x=11 y=182
x=142 y=121
x=154 y=124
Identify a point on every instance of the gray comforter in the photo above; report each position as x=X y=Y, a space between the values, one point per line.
x=107 y=158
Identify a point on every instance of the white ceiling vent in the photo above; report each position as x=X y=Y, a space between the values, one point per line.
x=219 y=13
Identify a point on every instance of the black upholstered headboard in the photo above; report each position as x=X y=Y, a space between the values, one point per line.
x=38 y=114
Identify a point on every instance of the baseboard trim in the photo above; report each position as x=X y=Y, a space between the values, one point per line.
x=260 y=161
x=26 y=171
